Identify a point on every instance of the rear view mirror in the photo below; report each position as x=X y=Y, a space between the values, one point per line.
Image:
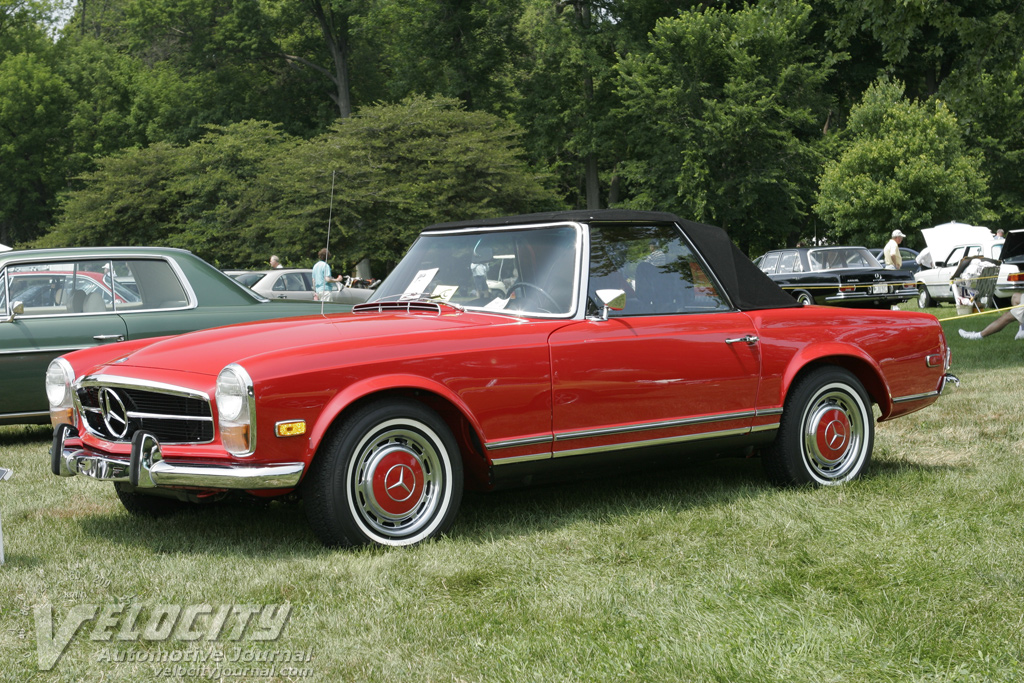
x=18 y=308
x=612 y=299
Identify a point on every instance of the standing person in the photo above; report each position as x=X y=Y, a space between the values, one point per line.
x=275 y=262
x=891 y=252
x=322 y=277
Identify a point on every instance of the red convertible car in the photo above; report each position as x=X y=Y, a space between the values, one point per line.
x=614 y=336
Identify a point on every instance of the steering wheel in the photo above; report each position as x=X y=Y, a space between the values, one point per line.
x=529 y=286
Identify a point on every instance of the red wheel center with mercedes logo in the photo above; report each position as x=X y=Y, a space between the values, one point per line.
x=397 y=482
x=833 y=434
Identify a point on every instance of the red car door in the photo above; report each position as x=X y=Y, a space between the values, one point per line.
x=652 y=379
x=677 y=364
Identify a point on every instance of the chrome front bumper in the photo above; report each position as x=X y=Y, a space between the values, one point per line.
x=146 y=467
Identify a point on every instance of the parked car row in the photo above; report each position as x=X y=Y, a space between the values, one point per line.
x=297 y=284
x=837 y=276
x=498 y=352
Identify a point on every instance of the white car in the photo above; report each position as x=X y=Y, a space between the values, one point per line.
x=297 y=283
x=948 y=245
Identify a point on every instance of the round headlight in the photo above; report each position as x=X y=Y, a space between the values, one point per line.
x=59 y=377
x=232 y=395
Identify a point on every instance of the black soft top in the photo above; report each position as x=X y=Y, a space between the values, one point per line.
x=748 y=288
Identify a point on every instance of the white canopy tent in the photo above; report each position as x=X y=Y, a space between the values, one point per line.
x=4 y=247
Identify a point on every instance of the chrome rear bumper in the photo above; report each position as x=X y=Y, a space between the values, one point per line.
x=146 y=467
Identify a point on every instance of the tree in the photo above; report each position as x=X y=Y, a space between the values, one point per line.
x=905 y=166
x=397 y=168
x=204 y=197
x=922 y=42
x=726 y=113
x=23 y=25
x=32 y=122
x=990 y=109
x=247 y=190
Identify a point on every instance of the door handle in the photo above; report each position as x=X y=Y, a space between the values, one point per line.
x=109 y=337
x=749 y=339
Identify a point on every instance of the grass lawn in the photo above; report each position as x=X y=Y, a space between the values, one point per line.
x=704 y=573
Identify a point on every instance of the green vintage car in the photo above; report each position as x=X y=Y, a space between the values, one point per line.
x=55 y=300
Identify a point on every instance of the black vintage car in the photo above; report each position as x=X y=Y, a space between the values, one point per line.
x=837 y=276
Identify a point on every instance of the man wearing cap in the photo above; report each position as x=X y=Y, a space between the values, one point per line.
x=891 y=252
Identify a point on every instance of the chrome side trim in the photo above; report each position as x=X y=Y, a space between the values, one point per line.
x=59 y=350
x=647 y=426
x=652 y=442
x=915 y=397
x=515 y=443
x=636 y=444
x=9 y=416
x=523 y=458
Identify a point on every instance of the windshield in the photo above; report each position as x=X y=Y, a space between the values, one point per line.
x=841 y=257
x=525 y=271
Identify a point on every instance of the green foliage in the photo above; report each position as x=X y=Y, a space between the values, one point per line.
x=725 y=113
x=33 y=116
x=923 y=42
x=906 y=166
x=400 y=167
x=202 y=197
x=247 y=190
x=720 y=111
x=990 y=108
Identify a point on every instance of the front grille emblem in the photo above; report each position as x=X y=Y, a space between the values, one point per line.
x=115 y=415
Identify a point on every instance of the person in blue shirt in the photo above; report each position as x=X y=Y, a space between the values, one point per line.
x=322 y=277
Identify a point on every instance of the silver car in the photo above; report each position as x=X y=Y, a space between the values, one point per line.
x=297 y=283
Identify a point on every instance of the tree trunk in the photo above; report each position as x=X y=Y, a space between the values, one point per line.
x=335 y=33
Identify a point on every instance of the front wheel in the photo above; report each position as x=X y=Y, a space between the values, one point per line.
x=391 y=475
x=826 y=433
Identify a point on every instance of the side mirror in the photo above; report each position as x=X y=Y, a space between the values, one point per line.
x=18 y=308
x=612 y=299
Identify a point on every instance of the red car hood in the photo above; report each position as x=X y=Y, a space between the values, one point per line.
x=208 y=351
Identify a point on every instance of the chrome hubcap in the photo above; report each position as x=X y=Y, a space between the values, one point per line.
x=833 y=434
x=397 y=479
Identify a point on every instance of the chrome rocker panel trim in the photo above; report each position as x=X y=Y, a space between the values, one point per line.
x=147 y=469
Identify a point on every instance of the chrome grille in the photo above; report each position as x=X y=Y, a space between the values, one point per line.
x=115 y=411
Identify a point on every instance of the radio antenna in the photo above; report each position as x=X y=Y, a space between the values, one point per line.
x=330 y=219
x=330 y=212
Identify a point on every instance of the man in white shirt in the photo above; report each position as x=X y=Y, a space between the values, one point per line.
x=891 y=252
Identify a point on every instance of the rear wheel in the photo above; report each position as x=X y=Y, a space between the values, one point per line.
x=391 y=475
x=826 y=433
x=924 y=299
x=803 y=298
